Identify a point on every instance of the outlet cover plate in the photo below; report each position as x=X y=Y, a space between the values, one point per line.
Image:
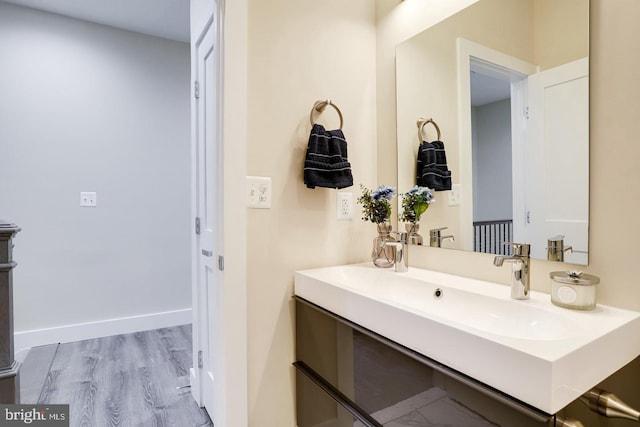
x=344 y=206
x=455 y=195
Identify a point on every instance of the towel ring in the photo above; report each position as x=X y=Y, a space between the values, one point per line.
x=320 y=106
x=421 y=123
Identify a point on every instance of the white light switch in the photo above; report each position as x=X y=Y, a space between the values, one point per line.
x=88 y=199
x=258 y=192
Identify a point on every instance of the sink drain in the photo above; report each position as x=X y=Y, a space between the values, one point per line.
x=437 y=294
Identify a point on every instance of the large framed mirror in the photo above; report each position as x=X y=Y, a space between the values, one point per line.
x=506 y=82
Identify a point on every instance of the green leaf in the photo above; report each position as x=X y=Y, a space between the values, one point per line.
x=420 y=208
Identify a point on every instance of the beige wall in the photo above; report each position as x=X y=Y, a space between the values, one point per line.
x=300 y=51
x=552 y=25
x=614 y=181
x=615 y=176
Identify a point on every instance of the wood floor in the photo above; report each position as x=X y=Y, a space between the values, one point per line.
x=123 y=380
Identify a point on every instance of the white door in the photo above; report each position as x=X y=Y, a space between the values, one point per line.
x=208 y=195
x=557 y=165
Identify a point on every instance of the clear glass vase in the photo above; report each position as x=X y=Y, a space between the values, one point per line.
x=383 y=255
x=414 y=237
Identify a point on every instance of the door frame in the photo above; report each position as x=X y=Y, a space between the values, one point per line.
x=230 y=395
x=491 y=62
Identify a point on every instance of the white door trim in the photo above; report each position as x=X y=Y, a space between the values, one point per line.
x=496 y=63
x=233 y=42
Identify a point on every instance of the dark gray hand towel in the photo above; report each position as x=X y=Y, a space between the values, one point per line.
x=432 y=170
x=326 y=163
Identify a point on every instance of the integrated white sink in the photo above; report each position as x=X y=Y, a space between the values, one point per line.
x=541 y=354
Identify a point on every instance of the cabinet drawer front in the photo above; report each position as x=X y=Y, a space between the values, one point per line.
x=392 y=384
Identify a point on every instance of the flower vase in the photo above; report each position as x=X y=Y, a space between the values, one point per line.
x=383 y=255
x=413 y=237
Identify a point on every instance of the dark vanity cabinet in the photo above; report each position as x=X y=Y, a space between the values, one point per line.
x=349 y=376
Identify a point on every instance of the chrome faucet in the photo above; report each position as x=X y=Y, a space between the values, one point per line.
x=435 y=237
x=401 y=251
x=520 y=277
x=556 y=248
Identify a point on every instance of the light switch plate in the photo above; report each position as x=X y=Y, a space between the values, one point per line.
x=88 y=199
x=258 y=192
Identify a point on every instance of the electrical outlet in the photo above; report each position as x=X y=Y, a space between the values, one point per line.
x=258 y=192
x=344 y=204
x=455 y=195
x=88 y=199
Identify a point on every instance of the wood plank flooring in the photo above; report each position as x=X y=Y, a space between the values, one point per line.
x=34 y=371
x=123 y=380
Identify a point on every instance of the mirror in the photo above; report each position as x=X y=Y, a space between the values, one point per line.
x=506 y=82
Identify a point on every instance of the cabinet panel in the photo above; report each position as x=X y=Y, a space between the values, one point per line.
x=321 y=405
x=395 y=386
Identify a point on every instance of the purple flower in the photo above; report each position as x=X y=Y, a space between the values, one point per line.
x=423 y=194
x=383 y=192
x=415 y=202
x=376 y=206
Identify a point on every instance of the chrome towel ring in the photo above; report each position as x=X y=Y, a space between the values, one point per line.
x=421 y=122
x=320 y=106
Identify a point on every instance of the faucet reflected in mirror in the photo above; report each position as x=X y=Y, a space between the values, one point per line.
x=556 y=248
x=436 y=237
x=512 y=127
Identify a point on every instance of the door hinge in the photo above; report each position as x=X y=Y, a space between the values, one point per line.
x=526 y=112
x=220 y=263
x=528 y=217
x=196 y=89
x=197 y=225
x=200 y=365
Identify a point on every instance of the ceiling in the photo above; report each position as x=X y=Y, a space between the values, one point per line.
x=168 y=19
x=486 y=89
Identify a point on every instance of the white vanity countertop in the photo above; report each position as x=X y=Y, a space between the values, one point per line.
x=543 y=355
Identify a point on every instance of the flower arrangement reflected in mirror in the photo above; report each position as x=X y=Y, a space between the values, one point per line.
x=415 y=202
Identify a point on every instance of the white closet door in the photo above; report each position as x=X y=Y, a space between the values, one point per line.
x=209 y=209
x=557 y=166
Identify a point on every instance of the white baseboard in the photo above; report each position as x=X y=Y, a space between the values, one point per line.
x=26 y=339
